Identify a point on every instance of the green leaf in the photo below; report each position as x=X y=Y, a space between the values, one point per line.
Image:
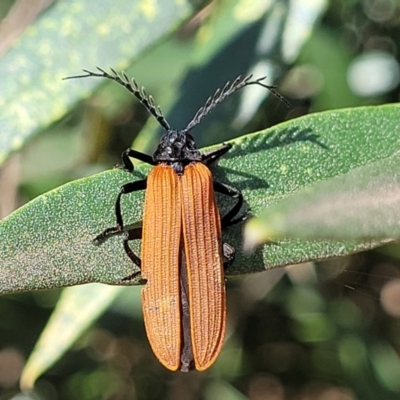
x=60 y=44
x=48 y=242
x=362 y=204
x=348 y=139
x=361 y=139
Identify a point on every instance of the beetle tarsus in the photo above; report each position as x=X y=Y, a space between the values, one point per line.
x=106 y=234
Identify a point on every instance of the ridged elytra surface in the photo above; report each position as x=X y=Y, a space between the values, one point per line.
x=182 y=211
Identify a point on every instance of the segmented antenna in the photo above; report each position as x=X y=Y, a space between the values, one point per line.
x=228 y=89
x=132 y=86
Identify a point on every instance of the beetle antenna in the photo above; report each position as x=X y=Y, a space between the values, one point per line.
x=132 y=86
x=227 y=90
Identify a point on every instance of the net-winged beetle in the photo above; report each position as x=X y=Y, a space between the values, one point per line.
x=182 y=254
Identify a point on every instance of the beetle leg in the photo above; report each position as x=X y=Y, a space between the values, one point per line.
x=132 y=234
x=213 y=155
x=117 y=229
x=127 y=163
x=228 y=219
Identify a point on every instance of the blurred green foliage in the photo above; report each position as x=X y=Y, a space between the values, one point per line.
x=302 y=333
